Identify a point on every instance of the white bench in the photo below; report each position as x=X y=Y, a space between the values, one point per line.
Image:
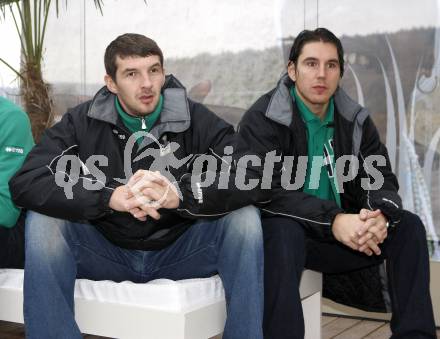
x=185 y=309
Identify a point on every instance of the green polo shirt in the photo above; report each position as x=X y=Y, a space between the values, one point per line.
x=15 y=143
x=136 y=124
x=320 y=178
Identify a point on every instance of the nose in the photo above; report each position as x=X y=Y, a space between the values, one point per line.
x=146 y=81
x=321 y=71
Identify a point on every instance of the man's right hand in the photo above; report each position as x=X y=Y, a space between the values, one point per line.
x=118 y=199
x=121 y=200
x=346 y=228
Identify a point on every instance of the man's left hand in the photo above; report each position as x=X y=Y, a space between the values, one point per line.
x=374 y=230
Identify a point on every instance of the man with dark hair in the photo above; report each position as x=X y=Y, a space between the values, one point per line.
x=339 y=225
x=87 y=222
x=15 y=143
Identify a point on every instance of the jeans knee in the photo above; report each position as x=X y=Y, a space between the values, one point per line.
x=245 y=224
x=43 y=234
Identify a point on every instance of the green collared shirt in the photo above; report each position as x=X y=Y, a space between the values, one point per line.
x=320 y=178
x=136 y=124
x=15 y=143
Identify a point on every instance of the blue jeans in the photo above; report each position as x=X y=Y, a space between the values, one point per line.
x=59 y=251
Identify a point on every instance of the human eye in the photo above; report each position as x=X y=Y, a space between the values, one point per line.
x=311 y=63
x=131 y=74
x=332 y=65
x=155 y=70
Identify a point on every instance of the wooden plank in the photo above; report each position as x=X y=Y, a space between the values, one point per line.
x=9 y=330
x=6 y=325
x=382 y=332
x=360 y=330
x=338 y=326
x=325 y=319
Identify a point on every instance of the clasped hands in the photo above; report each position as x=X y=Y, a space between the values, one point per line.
x=361 y=232
x=144 y=194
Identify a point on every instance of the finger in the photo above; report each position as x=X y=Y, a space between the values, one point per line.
x=380 y=237
x=372 y=240
x=128 y=194
x=160 y=180
x=367 y=251
x=363 y=228
x=146 y=211
x=136 y=201
x=379 y=233
x=364 y=247
x=141 y=176
x=352 y=245
x=384 y=235
x=367 y=225
x=363 y=214
x=152 y=212
x=367 y=236
x=158 y=195
x=138 y=214
x=136 y=177
x=136 y=189
x=143 y=184
x=134 y=211
x=374 y=247
x=144 y=218
x=146 y=204
x=374 y=213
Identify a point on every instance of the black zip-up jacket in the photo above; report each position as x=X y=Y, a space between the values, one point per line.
x=273 y=123
x=184 y=131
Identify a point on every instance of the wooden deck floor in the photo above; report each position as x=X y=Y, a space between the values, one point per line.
x=332 y=327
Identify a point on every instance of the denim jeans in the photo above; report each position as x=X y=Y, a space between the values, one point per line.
x=59 y=251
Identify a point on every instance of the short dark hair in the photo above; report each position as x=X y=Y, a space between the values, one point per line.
x=319 y=34
x=127 y=45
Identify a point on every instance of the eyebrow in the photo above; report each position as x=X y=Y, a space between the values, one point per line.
x=316 y=59
x=128 y=70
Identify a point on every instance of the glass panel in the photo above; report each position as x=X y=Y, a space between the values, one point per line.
x=392 y=68
x=63 y=60
x=228 y=53
x=10 y=52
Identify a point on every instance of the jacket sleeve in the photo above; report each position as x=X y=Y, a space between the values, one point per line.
x=15 y=143
x=374 y=165
x=52 y=180
x=316 y=215
x=212 y=189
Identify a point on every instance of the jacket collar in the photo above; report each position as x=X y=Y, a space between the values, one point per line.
x=175 y=116
x=280 y=106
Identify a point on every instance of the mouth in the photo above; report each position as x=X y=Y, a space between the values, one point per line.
x=146 y=98
x=320 y=89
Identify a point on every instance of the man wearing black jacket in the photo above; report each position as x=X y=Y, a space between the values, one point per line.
x=118 y=190
x=339 y=221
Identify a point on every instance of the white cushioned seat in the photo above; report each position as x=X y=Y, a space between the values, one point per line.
x=192 y=308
